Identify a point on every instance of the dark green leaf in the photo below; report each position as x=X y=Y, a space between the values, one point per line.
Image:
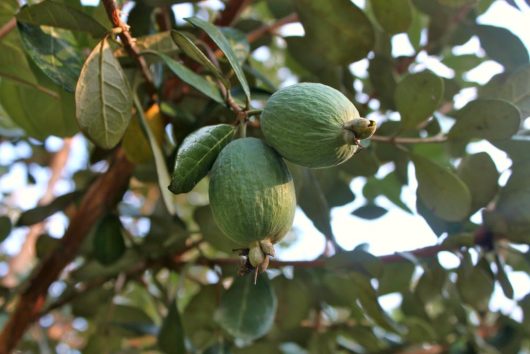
x=199 y=323
x=517 y=147
x=431 y=283
x=247 y=310
x=217 y=36
x=45 y=245
x=442 y=192
x=396 y=277
x=196 y=155
x=502 y=46
x=475 y=284
x=486 y=119
x=190 y=49
x=171 y=335
x=514 y=88
x=383 y=78
x=54 y=53
x=5 y=227
x=160 y=161
x=389 y=187
x=369 y=211
x=364 y=163
x=280 y=8
x=394 y=16
x=218 y=348
x=358 y=260
x=479 y=173
x=343 y=32
x=294 y=299
x=103 y=97
x=417 y=96
x=108 y=241
x=502 y=278
x=129 y=321
x=58 y=14
x=41 y=212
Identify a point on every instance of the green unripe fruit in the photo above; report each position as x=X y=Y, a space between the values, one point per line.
x=314 y=125
x=252 y=194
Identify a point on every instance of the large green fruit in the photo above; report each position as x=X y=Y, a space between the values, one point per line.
x=314 y=125
x=252 y=196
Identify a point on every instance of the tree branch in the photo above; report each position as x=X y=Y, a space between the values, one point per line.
x=409 y=140
x=231 y=12
x=128 y=42
x=8 y=27
x=102 y=195
x=260 y=32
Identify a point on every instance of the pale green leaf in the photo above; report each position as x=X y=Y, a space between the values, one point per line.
x=171 y=335
x=247 y=310
x=103 y=97
x=417 y=96
x=58 y=14
x=188 y=76
x=160 y=161
x=217 y=36
x=486 y=119
x=196 y=155
x=54 y=53
x=441 y=191
x=342 y=30
x=394 y=16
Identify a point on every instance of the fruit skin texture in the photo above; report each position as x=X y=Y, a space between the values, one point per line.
x=251 y=193
x=307 y=124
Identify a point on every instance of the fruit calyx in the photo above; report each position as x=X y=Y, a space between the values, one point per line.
x=257 y=257
x=358 y=129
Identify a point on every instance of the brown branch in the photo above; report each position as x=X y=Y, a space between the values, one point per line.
x=128 y=42
x=260 y=32
x=102 y=195
x=409 y=140
x=231 y=12
x=8 y=27
x=19 y=263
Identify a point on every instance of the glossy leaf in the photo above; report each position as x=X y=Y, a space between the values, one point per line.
x=417 y=96
x=108 y=241
x=196 y=155
x=103 y=97
x=247 y=310
x=502 y=46
x=53 y=53
x=486 y=119
x=191 y=50
x=394 y=16
x=442 y=192
x=171 y=335
x=5 y=227
x=217 y=36
x=160 y=161
x=342 y=30
x=58 y=14
x=479 y=173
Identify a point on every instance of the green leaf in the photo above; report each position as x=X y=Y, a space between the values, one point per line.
x=462 y=63
x=280 y=8
x=14 y=65
x=199 y=324
x=383 y=78
x=458 y=3
x=389 y=187
x=210 y=231
x=364 y=164
x=40 y=112
x=475 y=283
x=208 y=88
x=191 y=50
x=486 y=119
x=171 y=335
x=417 y=96
x=293 y=298
x=108 y=241
x=517 y=147
x=441 y=191
x=103 y=97
x=160 y=161
x=217 y=36
x=54 y=53
x=41 y=212
x=479 y=173
x=514 y=88
x=394 y=16
x=58 y=14
x=431 y=283
x=358 y=260
x=342 y=30
x=502 y=46
x=502 y=278
x=218 y=348
x=369 y=211
x=5 y=227
x=396 y=278
x=247 y=310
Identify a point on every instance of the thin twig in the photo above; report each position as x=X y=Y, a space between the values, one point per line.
x=260 y=32
x=409 y=140
x=8 y=27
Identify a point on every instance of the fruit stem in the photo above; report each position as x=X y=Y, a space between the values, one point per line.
x=254 y=112
x=242 y=129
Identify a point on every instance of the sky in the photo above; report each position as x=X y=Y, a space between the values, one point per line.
x=395 y=231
